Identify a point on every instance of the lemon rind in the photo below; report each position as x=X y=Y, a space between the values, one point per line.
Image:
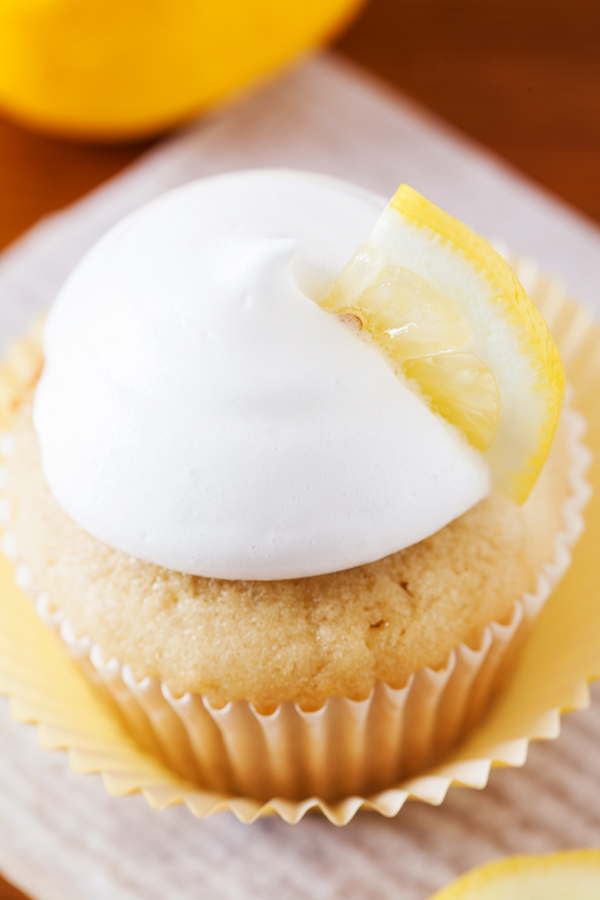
x=490 y=873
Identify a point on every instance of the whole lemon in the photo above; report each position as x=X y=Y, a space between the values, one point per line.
x=125 y=68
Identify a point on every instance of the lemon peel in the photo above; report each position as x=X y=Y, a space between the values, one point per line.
x=558 y=876
x=451 y=317
x=103 y=69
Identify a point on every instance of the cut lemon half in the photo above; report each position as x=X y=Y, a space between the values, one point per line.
x=572 y=875
x=450 y=316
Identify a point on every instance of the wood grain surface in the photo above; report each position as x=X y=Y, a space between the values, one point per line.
x=521 y=76
x=8 y=892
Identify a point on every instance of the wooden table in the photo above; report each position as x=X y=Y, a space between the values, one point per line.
x=521 y=76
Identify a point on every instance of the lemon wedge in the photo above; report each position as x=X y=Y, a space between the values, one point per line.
x=450 y=316
x=572 y=875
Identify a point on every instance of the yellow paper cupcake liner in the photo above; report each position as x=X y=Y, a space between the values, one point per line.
x=562 y=653
x=347 y=747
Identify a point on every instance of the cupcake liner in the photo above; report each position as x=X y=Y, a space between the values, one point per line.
x=346 y=747
x=340 y=756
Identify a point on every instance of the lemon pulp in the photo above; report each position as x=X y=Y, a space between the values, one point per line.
x=422 y=332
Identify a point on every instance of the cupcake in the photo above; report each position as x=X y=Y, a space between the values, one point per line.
x=295 y=522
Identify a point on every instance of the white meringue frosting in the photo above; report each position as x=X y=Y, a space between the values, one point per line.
x=199 y=410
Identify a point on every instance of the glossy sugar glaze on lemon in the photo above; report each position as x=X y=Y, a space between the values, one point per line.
x=421 y=332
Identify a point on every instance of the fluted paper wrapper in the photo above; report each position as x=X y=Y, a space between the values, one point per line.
x=346 y=747
x=442 y=727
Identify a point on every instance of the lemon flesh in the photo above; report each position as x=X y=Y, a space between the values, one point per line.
x=451 y=317
x=573 y=875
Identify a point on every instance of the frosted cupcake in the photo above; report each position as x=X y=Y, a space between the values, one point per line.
x=293 y=515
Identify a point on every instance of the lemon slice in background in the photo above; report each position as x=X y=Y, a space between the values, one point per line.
x=449 y=313
x=572 y=875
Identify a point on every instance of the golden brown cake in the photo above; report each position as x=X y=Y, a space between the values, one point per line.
x=304 y=639
x=224 y=406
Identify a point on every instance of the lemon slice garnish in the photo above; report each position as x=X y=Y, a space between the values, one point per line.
x=450 y=315
x=572 y=875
